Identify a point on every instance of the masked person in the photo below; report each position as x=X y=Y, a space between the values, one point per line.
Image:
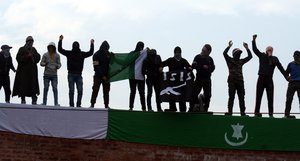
x=6 y=65
x=101 y=65
x=177 y=63
x=139 y=83
x=75 y=63
x=152 y=68
x=204 y=65
x=235 y=79
x=26 y=80
x=51 y=62
x=267 y=64
x=293 y=70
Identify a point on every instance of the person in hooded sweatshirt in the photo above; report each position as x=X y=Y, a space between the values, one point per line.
x=101 y=65
x=75 y=62
x=204 y=65
x=267 y=64
x=176 y=63
x=51 y=62
x=26 y=80
x=293 y=70
x=235 y=79
x=6 y=65
x=152 y=68
x=139 y=83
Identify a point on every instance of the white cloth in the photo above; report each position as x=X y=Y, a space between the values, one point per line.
x=62 y=122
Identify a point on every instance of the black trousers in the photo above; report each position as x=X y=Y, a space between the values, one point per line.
x=106 y=88
x=153 y=83
x=141 y=88
x=200 y=84
x=236 y=86
x=5 y=83
x=262 y=84
x=292 y=88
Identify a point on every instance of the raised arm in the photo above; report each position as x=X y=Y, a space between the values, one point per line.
x=91 y=52
x=254 y=47
x=249 y=56
x=60 y=49
x=225 y=53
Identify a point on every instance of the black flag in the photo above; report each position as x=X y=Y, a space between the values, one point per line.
x=177 y=86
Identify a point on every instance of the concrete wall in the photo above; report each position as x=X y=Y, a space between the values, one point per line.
x=16 y=147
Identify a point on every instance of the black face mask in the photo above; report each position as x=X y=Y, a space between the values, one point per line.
x=297 y=60
x=236 y=56
x=177 y=56
x=75 y=47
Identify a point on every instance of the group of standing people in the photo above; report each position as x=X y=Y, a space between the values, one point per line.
x=26 y=80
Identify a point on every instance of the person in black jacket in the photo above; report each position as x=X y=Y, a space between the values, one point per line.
x=235 y=79
x=267 y=64
x=6 y=65
x=75 y=62
x=101 y=65
x=177 y=63
x=26 y=81
x=204 y=66
x=152 y=68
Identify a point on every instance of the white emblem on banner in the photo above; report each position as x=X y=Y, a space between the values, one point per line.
x=237 y=134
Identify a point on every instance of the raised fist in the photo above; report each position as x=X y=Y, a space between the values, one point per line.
x=61 y=37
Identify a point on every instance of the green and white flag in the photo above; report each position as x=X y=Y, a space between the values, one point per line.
x=126 y=66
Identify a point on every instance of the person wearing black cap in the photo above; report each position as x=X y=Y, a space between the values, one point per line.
x=6 y=65
x=204 y=65
x=267 y=64
x=101 y=65
x=26 y=80
x=177 y=63
x=152 y=68
x=293 y=70
x=235 y=79
x=75 y=62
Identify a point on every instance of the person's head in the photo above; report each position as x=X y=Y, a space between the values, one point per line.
x=236 y=53
x=152 y=53
x=297 y=56
x=75 y=46
x=177 y=52
x=51 y=48
x=29 y=41
x=206 y=50
x=104 y=46
x=5 y=48
x=139 y=46
x=269 y=50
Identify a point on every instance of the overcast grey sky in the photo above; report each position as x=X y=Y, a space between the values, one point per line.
x=160 y=24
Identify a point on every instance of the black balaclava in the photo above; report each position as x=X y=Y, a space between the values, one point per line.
x=177 y=53
x=207 y=51
x=104 y=46
x=76 y=47
x=297 y=57
x=29 y=42
x=236 y=53
x=139 y=46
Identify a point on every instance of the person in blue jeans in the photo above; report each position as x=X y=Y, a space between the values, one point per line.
x=51 y=62
x=75 y=62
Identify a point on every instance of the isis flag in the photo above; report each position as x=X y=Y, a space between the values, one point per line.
x=177 y=86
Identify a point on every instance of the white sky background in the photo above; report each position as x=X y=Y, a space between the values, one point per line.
x=161 y=25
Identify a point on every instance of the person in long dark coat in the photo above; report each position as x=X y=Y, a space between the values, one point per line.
x=26 y=81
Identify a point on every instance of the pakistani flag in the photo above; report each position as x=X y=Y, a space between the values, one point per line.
x=126 y=66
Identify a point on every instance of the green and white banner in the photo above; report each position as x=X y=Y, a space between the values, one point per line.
x=205 y=131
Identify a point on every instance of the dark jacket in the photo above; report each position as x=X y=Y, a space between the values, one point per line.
x=101 y=63
x=26 y=80
x=151 y=66
x=267 y=63
x=5 y=65
x=199 y=62
x=293 y=69
x=75 y=57
x=175 y=65
x=235 y=66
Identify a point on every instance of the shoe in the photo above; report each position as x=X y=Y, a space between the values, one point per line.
x=34 y=103
x=43 y=104
x=7 y=102
x=170 y=110
x=228 y=114
x=258 y=115
x=23 y=102
x=57 y=105
x=92 y=105
x=159 y=110
x=130 y=109
x=150 y=110
x=290 y=116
